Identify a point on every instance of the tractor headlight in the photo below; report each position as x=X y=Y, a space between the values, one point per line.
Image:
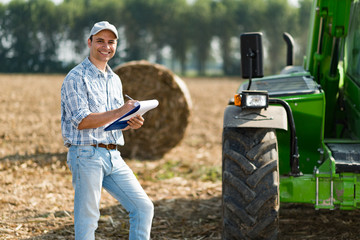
x=252 y=99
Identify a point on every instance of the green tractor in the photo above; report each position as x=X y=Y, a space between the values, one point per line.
x=295 y=137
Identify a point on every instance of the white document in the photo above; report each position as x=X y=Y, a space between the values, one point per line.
x=141 y=107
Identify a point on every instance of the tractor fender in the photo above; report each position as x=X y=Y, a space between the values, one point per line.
x=271 y=117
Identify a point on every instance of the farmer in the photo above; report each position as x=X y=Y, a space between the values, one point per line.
x=91 y=97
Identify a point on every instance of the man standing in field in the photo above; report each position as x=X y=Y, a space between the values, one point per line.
x=91 y=97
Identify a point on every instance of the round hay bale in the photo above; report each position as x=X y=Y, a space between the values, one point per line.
x=164 y=126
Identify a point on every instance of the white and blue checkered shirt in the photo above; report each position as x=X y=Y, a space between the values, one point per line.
x=87 y=90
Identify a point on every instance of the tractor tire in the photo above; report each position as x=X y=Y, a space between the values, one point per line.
x=250 y=194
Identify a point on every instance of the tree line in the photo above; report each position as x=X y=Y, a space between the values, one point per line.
x=34 y=33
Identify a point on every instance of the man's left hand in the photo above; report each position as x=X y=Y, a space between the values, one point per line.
x=135 y=122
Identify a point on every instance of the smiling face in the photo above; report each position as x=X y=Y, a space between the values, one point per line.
x=102 y=48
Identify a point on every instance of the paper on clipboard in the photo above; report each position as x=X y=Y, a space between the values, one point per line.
x=141 y=107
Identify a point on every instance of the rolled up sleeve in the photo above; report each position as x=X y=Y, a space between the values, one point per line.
x=76 y=101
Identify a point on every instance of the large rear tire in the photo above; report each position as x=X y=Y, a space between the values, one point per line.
x=250 y=193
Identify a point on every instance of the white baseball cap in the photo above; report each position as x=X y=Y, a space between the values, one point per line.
x=104 y=25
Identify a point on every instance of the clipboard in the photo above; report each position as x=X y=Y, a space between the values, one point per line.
x=141 y=107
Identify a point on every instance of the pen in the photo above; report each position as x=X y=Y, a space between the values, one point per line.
x=129 y=97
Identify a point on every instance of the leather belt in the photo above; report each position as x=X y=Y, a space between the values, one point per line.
x=108 y=147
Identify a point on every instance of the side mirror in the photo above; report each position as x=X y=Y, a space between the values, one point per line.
x=251 y=55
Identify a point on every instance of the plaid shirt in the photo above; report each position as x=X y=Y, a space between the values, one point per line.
x=87 y=90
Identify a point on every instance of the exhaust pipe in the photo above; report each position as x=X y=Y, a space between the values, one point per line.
x=290 y=49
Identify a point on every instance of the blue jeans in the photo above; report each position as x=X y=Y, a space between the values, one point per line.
x=93 y=168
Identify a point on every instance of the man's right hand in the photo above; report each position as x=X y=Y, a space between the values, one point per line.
x=96 y=120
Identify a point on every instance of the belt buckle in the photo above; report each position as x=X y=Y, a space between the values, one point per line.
x=108 y=147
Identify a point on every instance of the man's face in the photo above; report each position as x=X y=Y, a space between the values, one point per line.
x=103 y=46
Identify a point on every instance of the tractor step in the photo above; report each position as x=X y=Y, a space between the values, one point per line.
x=347 y=156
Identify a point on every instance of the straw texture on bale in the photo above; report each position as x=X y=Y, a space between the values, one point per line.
x=164 y=126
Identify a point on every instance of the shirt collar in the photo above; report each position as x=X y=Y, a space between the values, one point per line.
x=94 y=69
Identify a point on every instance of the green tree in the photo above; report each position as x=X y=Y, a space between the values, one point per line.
x=178 y=34
x=159 y=13
x=201 y=32
x=32 y=32
x=77 y=22
x=3 y=38
x=249 y=15
x=303 y=24
x=17 y=29
x=279 y=17
x=135 y=17
x=226 y=27
x=47 y=33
